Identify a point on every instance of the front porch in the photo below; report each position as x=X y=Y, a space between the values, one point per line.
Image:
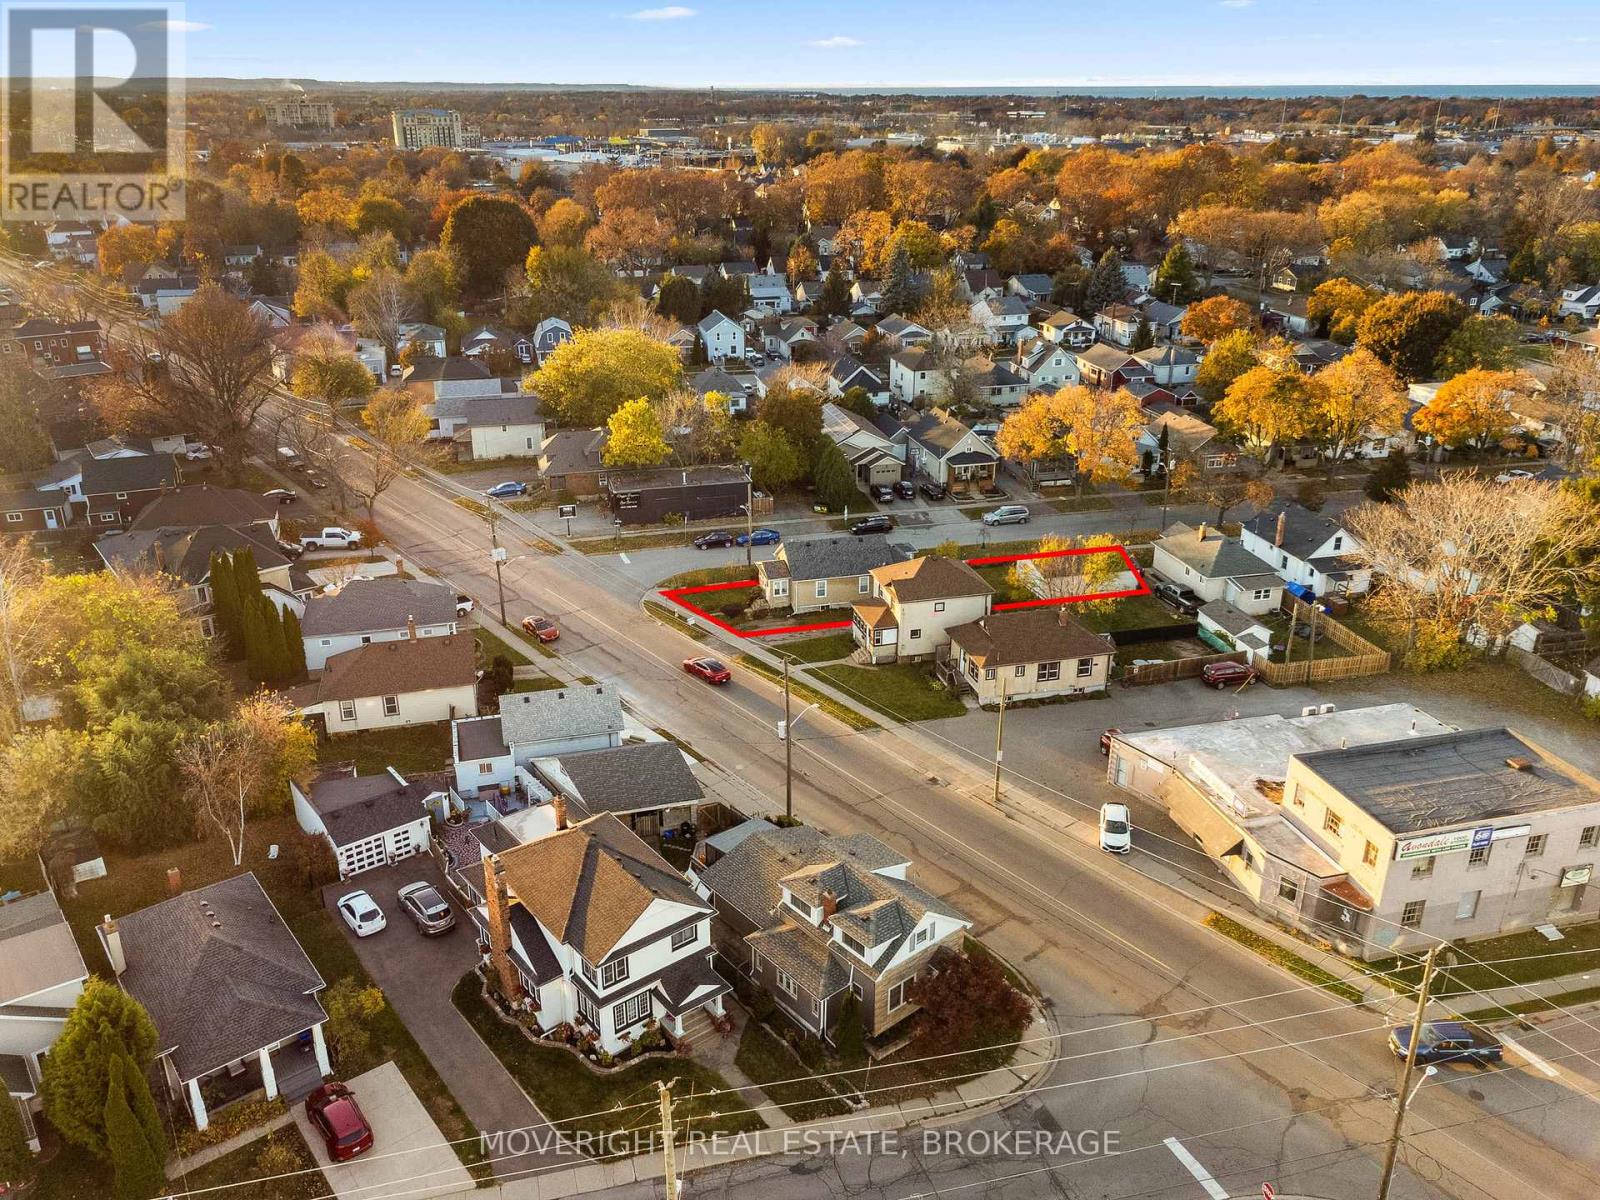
x=291 y=1069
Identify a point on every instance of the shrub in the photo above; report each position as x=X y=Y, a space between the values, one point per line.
x=1591 y=707
x=1436 y=646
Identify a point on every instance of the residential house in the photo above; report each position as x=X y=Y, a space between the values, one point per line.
x=486 y=339
x=1307 y=548
x=847 y=334
x=1028 y=654
x=491 y=753
x=1108 y=367
x=1001 y=318
x=369 y=821
x=903 y=334
x=388 y=684
x=912 y=606
x=849 y=372
x=123 y=445
x=1299 y=277
x=1491 y=269
x=1165 y=319
x=427 y=340
x=873 y=456
x=1047 y=365
x=589 y=926
x=1287 y=312
x=1217 y=567
x=549 y=334
x=29 y=510
x=1171 y=366
x=237 y=258
x=111 y=491
x=737 y=389
x=1189 y=440
x=570 y=461
x=1118 y=323
x=1035 y=289
x=982 y=283
x=646 y=497
x=448 y=385
x=364 y=611
x=784 y=339
x=1068 y=329
x=1227 y=628
x=939 y=447
x=1582 y=301
x=505 y=426
x=206 y=504
x=994 y=383
x=832 y=571
x=648 y=786
x=866 y=299
x=39 y=342
x=233 y=997
x=166 y=295
x=770 y=293
x=41 y=977
x=722 y=337
x=825 y=918
x=275 y=313
x=915 y=376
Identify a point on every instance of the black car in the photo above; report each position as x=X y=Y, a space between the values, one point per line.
x=904 y=490
x=932 y=490
x=290 y=549
x=873 y=524
x=1179 y=597
x=883 y=493
x=713 y=540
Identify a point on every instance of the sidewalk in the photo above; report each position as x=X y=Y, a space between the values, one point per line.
x=178 y=1167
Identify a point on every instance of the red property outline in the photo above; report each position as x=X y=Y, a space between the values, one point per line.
x=676 y=595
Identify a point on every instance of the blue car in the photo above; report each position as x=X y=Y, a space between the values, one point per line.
x=510 y=488
x=759 y=537
x=1447 y=1041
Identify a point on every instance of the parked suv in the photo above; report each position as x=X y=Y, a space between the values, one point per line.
x=873 y=524
x=932 y=490
x=1007 y=514
x=883 y=493
x=1179 y=597
x=1225 y=675
x=904 y=490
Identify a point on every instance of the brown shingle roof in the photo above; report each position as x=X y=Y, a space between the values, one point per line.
x=931 y=578
x=1028 y=635
x=389 y=668
x=875 y=614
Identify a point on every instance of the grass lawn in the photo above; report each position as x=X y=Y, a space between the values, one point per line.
x=1532 y=957
x=490 y=643
x=1130 y=612
x=904 y=691
x=636 y=541
x=476 y=507
x=413 y=749
x=1077 y=504
x=766 y=1060
x=1287 y=959
x=1165 y=651
x=671 y=614
x=564 y=1088
x=820 y=648
x=1005 y=590
x=289 y=1153
x=539 y=683
x=729 y=573
x=809 y=695
x=1540 y=1004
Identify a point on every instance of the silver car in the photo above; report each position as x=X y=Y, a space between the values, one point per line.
x=427 y=909
x=1007 y=514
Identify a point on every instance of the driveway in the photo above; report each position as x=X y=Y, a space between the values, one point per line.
x=408 y=1152
x=417 y=975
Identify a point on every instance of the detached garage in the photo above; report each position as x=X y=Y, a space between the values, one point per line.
x=369 y=820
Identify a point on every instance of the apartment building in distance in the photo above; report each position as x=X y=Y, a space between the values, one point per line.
x=299 y=113
x=418 y=128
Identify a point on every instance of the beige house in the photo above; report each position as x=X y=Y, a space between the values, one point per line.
x=913 y=606
x=1029 y=654
x=811 y=574
x=383 y=685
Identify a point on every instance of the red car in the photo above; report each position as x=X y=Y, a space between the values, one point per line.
x=708 y=669
x=542 y=628
x=1225 y=674
x=332 y=1108
x=1105 y=739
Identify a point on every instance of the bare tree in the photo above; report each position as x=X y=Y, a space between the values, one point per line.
x=396 y=426
x=633 y=312
x=1573 y=389
x=379 y=307
x=698 y=428
x=229 y=765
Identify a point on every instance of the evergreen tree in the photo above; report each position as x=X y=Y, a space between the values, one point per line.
x=275 y=660
x=144 y=1108
x=1143 y=336
x=679 y=300
x=105 y=1023
x=1391 y=475
x=730 y=297
x=1176 y=273
x=16 y=1160
x=899 y=288
x=295 y=645
x=835 y=300
x=257 y=647
x=831 y=477
x=225 y=602
x=1107 y=284
x=137 y=1173
x=1163 y=449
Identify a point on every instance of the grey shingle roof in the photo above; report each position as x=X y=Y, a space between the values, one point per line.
x=804 y=957
x=1214 y=557
x=203 y=504
x=626 y=779
x=37 y=949
x=512 y=408
x=384 y=603
x=357 y=807
x=833 y=557
x=220 y=973
x=142 y=474
x=185 y=554
x=558 y=713
x=1304 y=531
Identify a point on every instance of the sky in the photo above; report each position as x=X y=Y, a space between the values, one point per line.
x=873 y=43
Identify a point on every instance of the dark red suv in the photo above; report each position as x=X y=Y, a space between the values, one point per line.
x=333 y=1110
x=1225 y=674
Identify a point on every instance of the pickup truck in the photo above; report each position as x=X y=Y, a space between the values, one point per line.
x=331 y=538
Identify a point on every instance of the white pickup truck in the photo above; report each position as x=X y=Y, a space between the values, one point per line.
x=331 y=538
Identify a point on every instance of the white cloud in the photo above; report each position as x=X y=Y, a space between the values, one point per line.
x=839 y=42
x=673 y=12
x=173 y=26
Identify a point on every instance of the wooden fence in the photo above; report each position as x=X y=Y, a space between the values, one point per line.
x=1360 y=656
x=1178 y=668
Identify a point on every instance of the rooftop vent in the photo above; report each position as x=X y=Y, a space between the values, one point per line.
x=1520 y=764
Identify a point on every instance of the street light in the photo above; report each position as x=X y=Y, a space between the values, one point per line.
x=1427 y=1071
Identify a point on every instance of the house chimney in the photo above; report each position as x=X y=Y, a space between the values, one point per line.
x=497 y=912
x=174 y=881
x=1200 y=534
x=558 y=808
x=1277 y=538
x=112 y=937
x=411 y=627
x=830 y=905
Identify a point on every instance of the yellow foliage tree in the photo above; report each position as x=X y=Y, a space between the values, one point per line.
x=1355 y=395
x=1095 y=426
x=1267 y=406
x=634 y=437
x=1473 y=409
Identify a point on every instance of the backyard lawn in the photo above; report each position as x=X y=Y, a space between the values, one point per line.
x=411 y=750
x=1130 y=612
x=904 y=691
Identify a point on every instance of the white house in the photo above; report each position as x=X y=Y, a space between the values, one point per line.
x=1216 y=567
x=723 y=337
x=1001 y=318
x=1171 y=365
x=497 y=752
x=428 y=339
x=41 y=977
x=417 y=681
x=1307 y=548
x=505 y=426
x=364 y=611
x=770 y=293
x=914 y=604
x=1582 y=302
x=1047 y=365
x=914 y=375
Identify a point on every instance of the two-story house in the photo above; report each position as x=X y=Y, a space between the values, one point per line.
x=903 y=334
x=1068 y=329
x=589 y=926
x=1033 y=288
x=940 y=447
x=814 y=573
x=547 y=335
x=363 y=611
x=1106 y=366
x=994 y=383
x=913 y=605
x=1189 y=440
x=770 y=292
x=1001 y=318
x=41 y=342
x=721 y=336
x=506 y=426
x=110 y=492
x=825 y=918
x=915 y=376
x=1171 y=366
x=1308 y=548
x=183 y=555
x=1047 y=365
x=1029 y=654
x=41 y=977
x=849 y=372
x=1118 y=323
x=1582 y=301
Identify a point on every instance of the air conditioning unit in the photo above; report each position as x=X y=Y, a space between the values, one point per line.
x=1326 y=709
x=1309 y=710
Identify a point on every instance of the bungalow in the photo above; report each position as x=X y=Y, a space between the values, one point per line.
x=646 y=497
x=570 y=462
x=166 y=296
x=364 y=611
x=1029 y=654
x=982 y=283
x=1001 y=318
x=1189 y=440
x=425 y=339
x=873 y=456
x=589 y=926
x=29 y=510
x=498 y=752
x=914 y=375
x=901 y=333
x=486 y=339
x=994 y=383
x=648 y=786
x=1289 y=312
x=1165 y=319
x=939 y=447
x=1108 y=367
x=1216 y=567
x=388 y=684
x=1309 y=549
x=784 y=339
x=547 y=335
x=770 y=293
x=41 y=977
x=1299 y=277
x=1068 y=329
x=505 y=426
x=1035 y=289
x=722 y=337
x=913 y=605
x=736 y=389
x=232 y=995
x=1170 y=365
x=369 y=821
x=826 y=918
x=847 y=335
x=113 y=490
x=1047 y=365
x=849 y=372
x=810 y=574
x=866 y=298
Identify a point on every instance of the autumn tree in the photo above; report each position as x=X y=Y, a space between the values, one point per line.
x=1480 y=343
x=588 y=378
x=1074 y=566
x=488 y=236
x=797 y=410
x=837 y=185
x=1572 y=388
x=326 y=369
x=26 y=446
x=562 y=281
x=1266 y=407
x=1472 y=409
x=25 y=628
x=1356 y=396
x=322 y=284
x=629 y=238
x=634 y=437
x=565 y=223
x=1408 y=331
x=1230 y=356
x=774 y=459
x=1097 y=428
x=1215 y=318
x=379 y=307
x=1336 y=305
x=966 y=996
x=132 y=245
x=1262 y=240
x=698 y=429
x=1226 y=491
x=396 y=427
x=864 y=239
x=433 y=278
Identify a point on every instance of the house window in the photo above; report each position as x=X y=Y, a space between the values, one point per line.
x=1049 y=672
x=1589 y=837
x=347 y=710
x=816 y=1008
x=856 y=990
x=587 y=1010
x=780 y=587
x=613 y=972
x=1535 y=846
x=1261 y=594
x=631 y=1011
x=1288 y=889
x=1332 y=821
x=1085 y=668
x=486 y=768
x=988 y=672
x=327 y=641
x=14 y=517
x=897 y=995
x=853 y=943
x=864 y=584
x=1467 y=906
x=1422 y=868
x=1478 y=857
x=938 y=606
x=922 y=937
x=1369 y=855
x=108 y=518
x=686 y=937
x=786 y=983
x=1411 y=914
x=822 y=589
x=915 y=634
x=1338 y=541
x=391 y=706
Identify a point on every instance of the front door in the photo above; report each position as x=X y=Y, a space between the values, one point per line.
x=50 y=519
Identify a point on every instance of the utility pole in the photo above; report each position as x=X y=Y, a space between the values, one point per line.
x=669 y=1160
x=499 y=557
x=999 y=735
x=788 y=748
x=749 y=518
x=1404 y=1098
